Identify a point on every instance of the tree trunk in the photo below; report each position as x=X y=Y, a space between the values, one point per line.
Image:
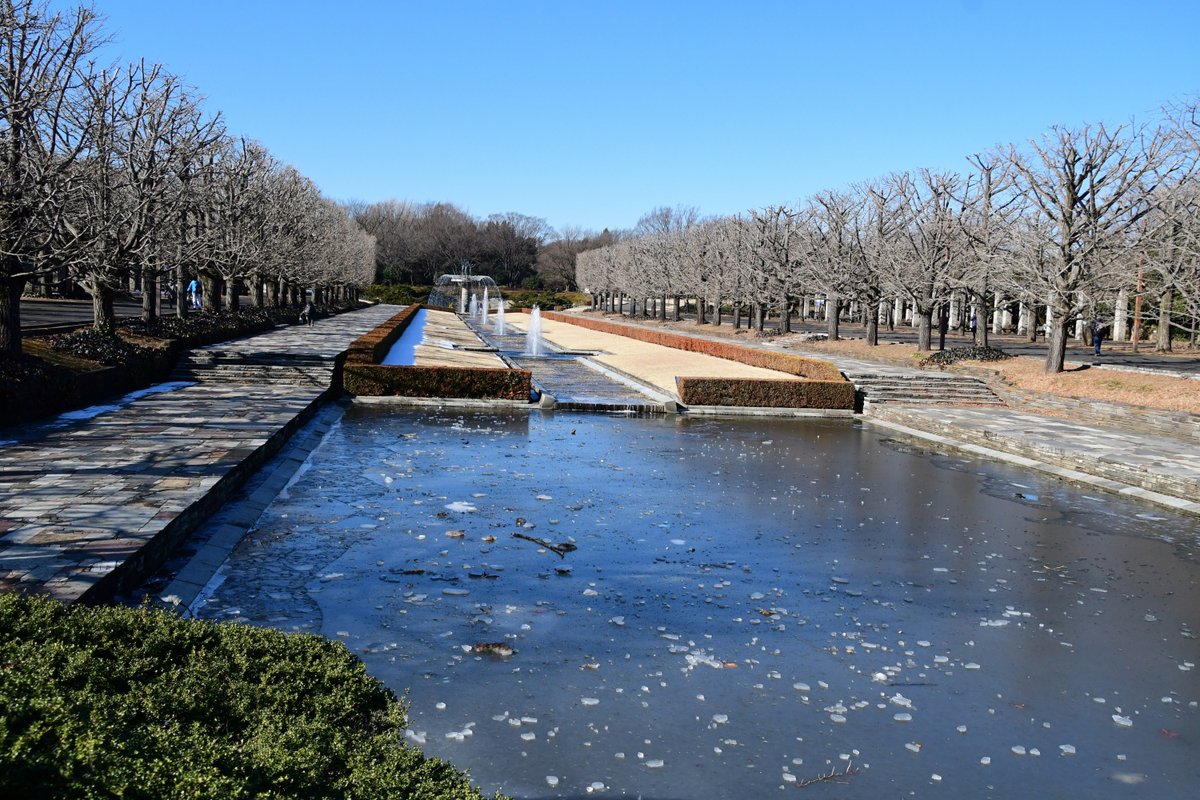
x=678 y=300
x=149 y=295
x=10 y=315
x=1163 y=345
x=104 y=316
x=785 y=316
x=231 y=296
x=1056 y=354
x=833 y=317
x=182 y=304
x=925 y=331
x=943 y=326
x=211 y=300
x=759 y=316
x=873 y=323
x=258 y=292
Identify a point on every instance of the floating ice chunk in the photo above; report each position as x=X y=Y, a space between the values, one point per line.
x=935 y=778
x=1066 y=749
x=595 y=786
x=900 y=700
x=1122 y=722
x=455 y=592
x=679 y=541
x=961 y=729
x=529 y=737
x=941 y=660
x=912 y=747
x=654 y=763
x=985 y=760
x=922 y=643
x=440 y=706
x=838 y=718
x=589 y=593
x=619 y=621
x=460 y=506
x=1033 y=751
x=970 y=665
x=552 y=781
x=903 y=716
x=788 y=777
x=589 y=701
x=1018 y=750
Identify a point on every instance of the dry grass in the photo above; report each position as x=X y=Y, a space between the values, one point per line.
x=1108 y=385
x=1078 y=381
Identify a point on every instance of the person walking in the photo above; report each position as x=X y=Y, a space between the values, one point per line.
x=1098 y=331
x=309 y=314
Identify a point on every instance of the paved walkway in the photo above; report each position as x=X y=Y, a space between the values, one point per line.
x=88 y=500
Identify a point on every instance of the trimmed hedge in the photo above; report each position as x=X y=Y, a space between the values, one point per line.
x=765 y=393
x=137 y=703
x=376 y=380
x=823 y=385
x=364 y=376
x=811 y=368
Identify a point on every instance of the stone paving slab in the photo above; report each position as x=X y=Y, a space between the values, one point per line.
x=1159 y=469
x=90 y=503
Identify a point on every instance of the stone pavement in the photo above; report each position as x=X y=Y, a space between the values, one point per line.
x=91 y=501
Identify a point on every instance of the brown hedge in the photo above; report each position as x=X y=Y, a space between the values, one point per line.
x=363 y=375
x=371 y=347
x=811 y=368
x=765 y=393
x=376 y=380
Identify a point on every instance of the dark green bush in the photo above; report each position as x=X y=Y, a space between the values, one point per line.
x=103 y=347
x=955 y=354
x=137 y=703
x=397 y=294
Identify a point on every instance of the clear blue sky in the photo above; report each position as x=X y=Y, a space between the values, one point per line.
x=590 y=113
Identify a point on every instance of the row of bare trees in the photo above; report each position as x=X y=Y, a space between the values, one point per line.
x=113 y=177
x=1068 y=228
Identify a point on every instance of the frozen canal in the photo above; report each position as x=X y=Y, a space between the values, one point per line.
x=742 y=606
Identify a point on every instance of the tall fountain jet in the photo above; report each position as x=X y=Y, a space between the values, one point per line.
x=474 y=307
x=533 y=337
x=499 y=329
x=483 y=312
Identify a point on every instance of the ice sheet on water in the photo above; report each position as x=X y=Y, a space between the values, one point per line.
x=460 y=506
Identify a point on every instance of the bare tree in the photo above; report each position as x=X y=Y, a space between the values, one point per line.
x=1091 y=186
x=44 y=71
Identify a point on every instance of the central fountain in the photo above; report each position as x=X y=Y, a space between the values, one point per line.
x=466 y=293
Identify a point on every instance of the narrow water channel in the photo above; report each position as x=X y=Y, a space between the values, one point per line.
x=744 y=606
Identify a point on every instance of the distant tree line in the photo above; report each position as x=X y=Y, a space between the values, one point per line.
x=113 y=179
x=418 y=242
x=1092 y=223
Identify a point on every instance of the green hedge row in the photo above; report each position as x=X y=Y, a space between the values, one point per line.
x=101 y=702
x=760 y=393
x=811 y=368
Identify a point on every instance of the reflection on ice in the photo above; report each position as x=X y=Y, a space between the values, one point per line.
x=749 y=606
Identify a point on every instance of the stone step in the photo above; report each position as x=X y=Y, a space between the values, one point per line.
x=260 y=374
